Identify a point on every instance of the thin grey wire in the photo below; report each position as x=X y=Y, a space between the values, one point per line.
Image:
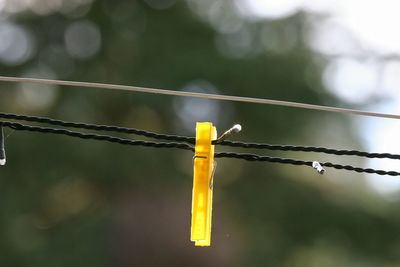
x=200 y=95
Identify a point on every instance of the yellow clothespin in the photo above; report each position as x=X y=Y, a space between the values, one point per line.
x=204 y=167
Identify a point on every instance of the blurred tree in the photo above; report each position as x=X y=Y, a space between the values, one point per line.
x=72 y=202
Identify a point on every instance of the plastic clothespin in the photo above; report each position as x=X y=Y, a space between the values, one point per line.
x=204 y=167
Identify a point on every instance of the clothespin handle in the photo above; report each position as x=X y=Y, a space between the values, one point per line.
x=204 y=167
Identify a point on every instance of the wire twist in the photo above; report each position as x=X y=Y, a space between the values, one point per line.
x=192 y=140
x=96 y=127
x=309 y=149
x=185 y=146
x=254 y=157
x=112 y=139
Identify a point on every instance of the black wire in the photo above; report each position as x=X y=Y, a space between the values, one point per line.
x=309 y=149
x=254 y=157
x=112 y=139
x=358 y=169
x=96 y=127
x=248 y=157
x=191 y=140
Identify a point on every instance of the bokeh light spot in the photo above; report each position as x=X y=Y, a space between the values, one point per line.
x=45 y=7
x=82 y=39
x=16 y=45
x=391 y=79
x=190 y=110
x=236 y=45
x=270 y=9
x=76 y=8
x=351 y=80
x=37 y=96
x=16 y=6
x=330 y=38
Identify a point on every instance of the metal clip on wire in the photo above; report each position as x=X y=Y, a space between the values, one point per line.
x=317 y=166
x=234 y=129
x=2 y=149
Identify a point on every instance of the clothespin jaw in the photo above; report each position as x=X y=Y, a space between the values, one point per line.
x=204 y=167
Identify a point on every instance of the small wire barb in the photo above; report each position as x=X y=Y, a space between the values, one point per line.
x=2 y=147
x=233 y=130
x=317 y=166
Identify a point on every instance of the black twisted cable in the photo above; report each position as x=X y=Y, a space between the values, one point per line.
x=358 y=169
x=191 y=140
x=248 y=157
x=96 y=127
x=309 y=149
x=112 y=139
x=254 y=157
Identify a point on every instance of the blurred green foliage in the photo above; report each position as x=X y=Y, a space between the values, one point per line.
x=68 y=202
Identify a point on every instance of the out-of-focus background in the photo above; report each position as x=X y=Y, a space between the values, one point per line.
x=68 y=202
